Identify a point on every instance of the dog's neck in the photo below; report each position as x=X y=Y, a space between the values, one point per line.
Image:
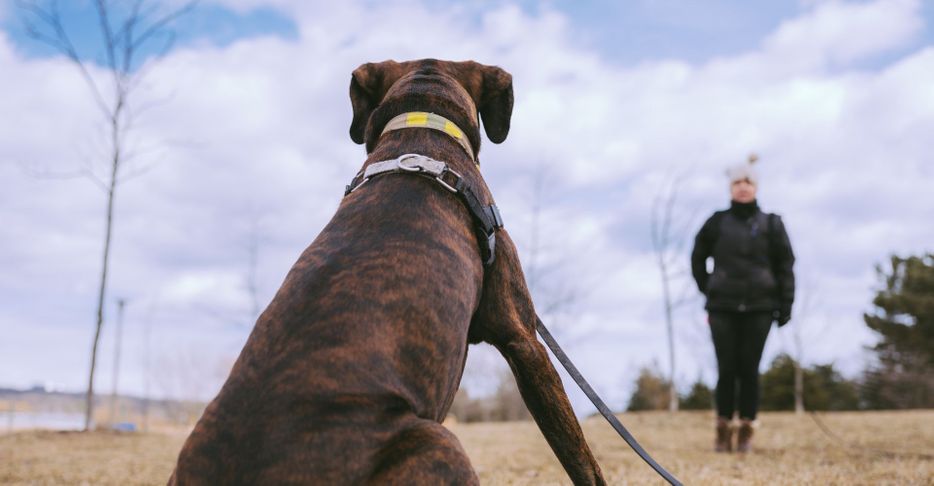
x=421 y=119
x=437 y=103
x=434 y=144
x=431 y=143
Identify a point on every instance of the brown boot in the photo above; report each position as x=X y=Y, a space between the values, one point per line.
x=744 y=438
x=724 y=442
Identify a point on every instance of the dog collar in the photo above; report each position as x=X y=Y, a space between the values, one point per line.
x=486 y=218
x=422 y=119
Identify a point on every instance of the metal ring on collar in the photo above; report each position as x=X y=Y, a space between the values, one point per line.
x=486 y=218
x=416 y=164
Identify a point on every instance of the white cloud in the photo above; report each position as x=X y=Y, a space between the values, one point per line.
x=841 y=32
x=256 y=133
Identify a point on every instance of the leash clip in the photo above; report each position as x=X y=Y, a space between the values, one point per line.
x=417 y=164
x=486 y=218
x=421 y=164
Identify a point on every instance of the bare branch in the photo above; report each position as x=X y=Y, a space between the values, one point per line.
x=109 y=49
x=128 y=48
x=669 y=207
x=161 y=23
x=653 y=229
x=138 y=172
x=64 y=175
x=144 y=107
x=667 y=239
x=223 y=316
x=33 y=33
x=121 y=35
x=34 y=9
x=61 y=43
x=556 y=303
x=686 y=296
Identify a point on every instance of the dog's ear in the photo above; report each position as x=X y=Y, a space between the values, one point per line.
x=496 y=103
x=368 y=86
x=363 y=90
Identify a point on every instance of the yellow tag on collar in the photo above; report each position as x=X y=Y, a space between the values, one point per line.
x=452 y=130
x=416 y=119
x=422 y=119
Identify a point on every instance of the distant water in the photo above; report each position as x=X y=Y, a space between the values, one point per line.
x=41 y=420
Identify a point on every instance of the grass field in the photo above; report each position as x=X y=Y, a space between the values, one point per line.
x=876 y=448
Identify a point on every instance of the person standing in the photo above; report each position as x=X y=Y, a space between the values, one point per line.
x=752 y=285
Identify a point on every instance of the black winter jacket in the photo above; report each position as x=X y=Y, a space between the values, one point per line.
x=752 y=258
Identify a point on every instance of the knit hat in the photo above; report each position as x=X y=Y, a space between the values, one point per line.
x=745 y=170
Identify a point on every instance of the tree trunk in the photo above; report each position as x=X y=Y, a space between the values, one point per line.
x=799 y=372
x=115 y=163
x=672 y=389
x=121 y=303
x=799 y=388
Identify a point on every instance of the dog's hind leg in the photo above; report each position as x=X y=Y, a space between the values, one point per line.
x=506 y=319
x=425 y=453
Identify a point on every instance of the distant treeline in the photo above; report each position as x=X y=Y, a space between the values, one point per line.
x=900 y=377
x=125 y=408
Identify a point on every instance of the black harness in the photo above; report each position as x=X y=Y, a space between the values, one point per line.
x=486 y=218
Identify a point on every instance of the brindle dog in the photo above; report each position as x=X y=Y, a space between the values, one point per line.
x=350 y=370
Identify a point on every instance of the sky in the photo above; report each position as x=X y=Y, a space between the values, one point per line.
x=241 y=150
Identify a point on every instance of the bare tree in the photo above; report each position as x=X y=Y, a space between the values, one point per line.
x=252 y=279
x=799 y=371
x=802 y=324
x=555 y=294
x=669 y=234
x=242 y=316
x=253 y=245
x=146 y=357
x=118 y=341
x=125 y=33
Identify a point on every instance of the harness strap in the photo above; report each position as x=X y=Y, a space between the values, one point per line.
x=604 y=410
x=486 y=218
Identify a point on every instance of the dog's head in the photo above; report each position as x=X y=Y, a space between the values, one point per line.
x=462 y=92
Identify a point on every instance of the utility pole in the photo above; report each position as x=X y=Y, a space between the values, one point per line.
x=10 y=415
x=121 y=304
x=147 y=355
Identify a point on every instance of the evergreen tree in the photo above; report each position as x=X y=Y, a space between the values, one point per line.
x=903 y=376
x=651 y=391
x=700 y=397
x=778 y=385
x=832 y=391
x=824 y=387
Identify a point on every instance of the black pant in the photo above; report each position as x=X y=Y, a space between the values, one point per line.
x=738 y=338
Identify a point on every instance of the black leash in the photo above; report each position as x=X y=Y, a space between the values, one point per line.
x=604 y=410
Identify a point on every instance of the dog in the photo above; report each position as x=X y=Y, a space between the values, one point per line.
x=352 y=367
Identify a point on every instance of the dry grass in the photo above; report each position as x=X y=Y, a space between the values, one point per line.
x=887 y=448
x=789 y=450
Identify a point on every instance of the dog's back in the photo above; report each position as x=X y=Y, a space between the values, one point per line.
x=368 y=331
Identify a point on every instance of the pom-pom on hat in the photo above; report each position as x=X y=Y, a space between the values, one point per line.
x=745 y=170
